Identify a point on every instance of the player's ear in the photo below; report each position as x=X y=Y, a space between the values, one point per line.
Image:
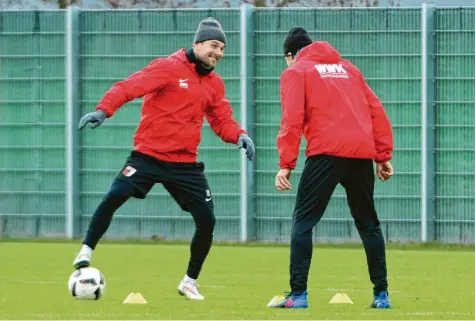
x=289 y=60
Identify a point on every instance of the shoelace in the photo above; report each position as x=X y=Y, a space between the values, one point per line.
x=193 y=283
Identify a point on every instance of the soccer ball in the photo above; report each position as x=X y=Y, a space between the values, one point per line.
x=87 y=283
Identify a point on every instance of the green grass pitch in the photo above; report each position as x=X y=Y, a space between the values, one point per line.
x=237 y=281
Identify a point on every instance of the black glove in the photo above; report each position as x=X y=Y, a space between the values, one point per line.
x=96 y=118
x=245 y=142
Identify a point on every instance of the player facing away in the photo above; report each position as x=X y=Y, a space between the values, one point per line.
x=346 y=130
x=178 y=92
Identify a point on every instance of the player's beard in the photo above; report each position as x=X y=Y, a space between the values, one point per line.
x=211 y=61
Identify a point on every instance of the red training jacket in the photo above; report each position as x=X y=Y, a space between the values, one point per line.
x=176 y=98
x=326 y=98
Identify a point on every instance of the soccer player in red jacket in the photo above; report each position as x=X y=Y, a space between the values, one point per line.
x=178 y=92
x=346 y=129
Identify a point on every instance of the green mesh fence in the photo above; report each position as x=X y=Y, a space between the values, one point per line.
x=455 y=125
x=32 y=129
x=385 y=46
x=113 y=46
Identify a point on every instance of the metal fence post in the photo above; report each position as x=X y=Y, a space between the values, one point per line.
x=428 y=134
x=72 y=118
x=248 y=208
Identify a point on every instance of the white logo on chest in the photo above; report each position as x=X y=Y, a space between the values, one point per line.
x=183 y=83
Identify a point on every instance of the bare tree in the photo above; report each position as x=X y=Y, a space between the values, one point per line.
x=394 y=3
x=327 y=3
x=283 y=3
x=63 y=4
x=258 y=3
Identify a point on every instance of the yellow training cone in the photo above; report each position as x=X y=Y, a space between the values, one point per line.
x=135 y=298
x=275 y=301
x=341 y=298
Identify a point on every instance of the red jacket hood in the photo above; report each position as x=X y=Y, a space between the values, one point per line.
x=181 y=56
x=320 y=51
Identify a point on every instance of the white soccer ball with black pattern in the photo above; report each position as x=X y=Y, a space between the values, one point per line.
x=87 y=283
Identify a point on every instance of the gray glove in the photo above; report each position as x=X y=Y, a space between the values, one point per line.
x=96 y=118
x=245 y=142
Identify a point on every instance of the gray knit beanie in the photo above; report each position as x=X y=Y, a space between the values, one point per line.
x=209 y=29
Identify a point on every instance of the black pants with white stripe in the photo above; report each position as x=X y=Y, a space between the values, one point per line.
x=319 y=179
x=186 y=183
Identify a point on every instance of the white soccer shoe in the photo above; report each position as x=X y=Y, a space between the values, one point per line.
x=82 y=260
x=190 y=290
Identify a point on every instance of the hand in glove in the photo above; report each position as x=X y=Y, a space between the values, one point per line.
x=96 y=118
x=245 y=142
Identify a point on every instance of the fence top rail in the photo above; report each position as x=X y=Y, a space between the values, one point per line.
x=124 y=9
x=256 y=8
x=218 y=9
x=357 y=8
x=236 y=9
x=280 y=8
x=31 y=10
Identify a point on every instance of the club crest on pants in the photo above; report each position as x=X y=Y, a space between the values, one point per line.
x=129 y=171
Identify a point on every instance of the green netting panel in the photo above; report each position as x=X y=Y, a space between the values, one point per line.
x=115 y=44
x=455 y=125
x=386 y=46
x=32 y=124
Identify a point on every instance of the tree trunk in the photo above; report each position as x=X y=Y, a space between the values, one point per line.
x=63 y=4
x=283 y=3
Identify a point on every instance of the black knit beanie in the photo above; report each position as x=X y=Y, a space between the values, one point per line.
x=296 y=39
